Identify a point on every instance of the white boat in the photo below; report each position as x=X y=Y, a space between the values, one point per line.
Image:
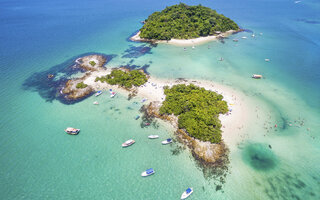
x=112 y=94
x=128 y=143
x=221 y=59
x=96 y=103
x=244 y=37
x=167 y=141
x=253 y=35
x=72 y=131
x=153 y=136
x=193 y=47
x=148 y=172
x=267 y=59
x=187 y=193
x=256 y=76
x=98 y=93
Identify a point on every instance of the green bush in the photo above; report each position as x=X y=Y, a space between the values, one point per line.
x=185 y=22
x=92 y=63
x=81 y=85
x=124 y=79
x=197 y=110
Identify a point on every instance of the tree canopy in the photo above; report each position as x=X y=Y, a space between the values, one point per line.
x=124 y=79
x=197 y=110
x=185 y=22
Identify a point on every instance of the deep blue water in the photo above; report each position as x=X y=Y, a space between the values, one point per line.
x=39 y=161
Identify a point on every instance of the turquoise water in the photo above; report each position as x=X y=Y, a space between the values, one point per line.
x=39 y=161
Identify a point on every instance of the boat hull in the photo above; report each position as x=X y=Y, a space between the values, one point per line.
x=144 y=174
x=186 y=195
x=127 y=143
x=153 y=136
x=73 y=132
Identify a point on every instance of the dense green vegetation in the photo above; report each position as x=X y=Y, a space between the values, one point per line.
x=92 y=63
x=197 y=110
x=184 y=22
x=124 y=79
x=81 y=85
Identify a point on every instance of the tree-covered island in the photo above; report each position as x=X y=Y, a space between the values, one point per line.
x=125 y=79
x=185 y=22
x=197 y=110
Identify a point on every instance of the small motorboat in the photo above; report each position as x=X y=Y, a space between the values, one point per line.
x=253 y=35
x=128 y=143
x=221 y=59
x=153 y=136
x=147 y=124
x=235 y=40
x=72 y=131
x=267 y=59
x=96 y=103
x=137 y=117
x=244 y=37
x=98 y=93
x=112 y=94
x=167 y=141
x=50 y=76
x=148 y=172
x=193 y=47
x=256 y=76
x=187 y=193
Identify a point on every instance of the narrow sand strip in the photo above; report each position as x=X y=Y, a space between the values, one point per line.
x=233 y=123
x=187 y=42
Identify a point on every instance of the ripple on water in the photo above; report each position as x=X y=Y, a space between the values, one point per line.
x=259 y=156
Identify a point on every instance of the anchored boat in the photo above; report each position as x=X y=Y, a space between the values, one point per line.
x=98 y=93
x=167 y=141
x=112 y=94
x=128 y=143
x=153 y=136
x=72 y=131
x=187 y=193
x=256 y=76
x=148 y=172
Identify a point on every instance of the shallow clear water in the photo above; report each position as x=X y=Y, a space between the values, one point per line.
x=39 y=161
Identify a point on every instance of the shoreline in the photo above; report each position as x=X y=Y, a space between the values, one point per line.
x=186 y=42
x=233 y=123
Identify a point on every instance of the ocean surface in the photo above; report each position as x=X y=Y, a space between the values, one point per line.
x=39 y=161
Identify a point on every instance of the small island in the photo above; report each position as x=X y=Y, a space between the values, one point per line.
x=197 y=110
x=183 y=24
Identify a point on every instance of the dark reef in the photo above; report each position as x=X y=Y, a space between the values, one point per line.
x=49 y=88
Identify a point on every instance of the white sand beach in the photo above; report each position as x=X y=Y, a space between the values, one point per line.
x=186 y=42
x=233 y=123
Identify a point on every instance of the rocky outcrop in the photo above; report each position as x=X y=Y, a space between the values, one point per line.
x=91 y=62
x=73 y=93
